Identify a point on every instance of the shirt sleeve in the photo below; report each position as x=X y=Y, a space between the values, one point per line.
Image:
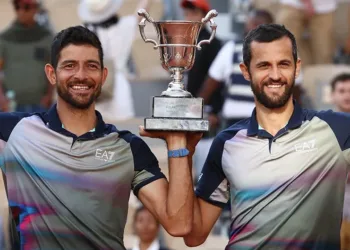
x=212 y=185
x=7 y=123
x=222 y=60
x=146 y=165
x=340 y=124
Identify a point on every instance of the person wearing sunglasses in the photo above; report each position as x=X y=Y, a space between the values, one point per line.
x=24 y=51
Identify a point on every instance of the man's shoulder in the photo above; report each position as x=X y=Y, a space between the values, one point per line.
x=137 y=144
x=3 y=34
x=5 y=30
x=232 y=131
x=126 y=135
x=13 y=34
x=338 y=122
x=329 y=116
x=8 y=121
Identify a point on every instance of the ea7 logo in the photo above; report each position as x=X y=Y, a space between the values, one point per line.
x=104 y=155
x=307 y=146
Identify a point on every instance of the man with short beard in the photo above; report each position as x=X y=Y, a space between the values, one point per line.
x=69 y=174
x=284 y=167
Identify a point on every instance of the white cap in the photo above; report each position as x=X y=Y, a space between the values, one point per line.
x=95 y=11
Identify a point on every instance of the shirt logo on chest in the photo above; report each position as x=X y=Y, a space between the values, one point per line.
x=104 y=155
x=305 y=147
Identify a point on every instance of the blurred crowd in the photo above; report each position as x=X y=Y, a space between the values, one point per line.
x=215 y=75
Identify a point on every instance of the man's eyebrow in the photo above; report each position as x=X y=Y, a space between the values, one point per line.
x=262 y=63
x=285 y=61
x=94 y=61
x=69 y=61
x=74 y=61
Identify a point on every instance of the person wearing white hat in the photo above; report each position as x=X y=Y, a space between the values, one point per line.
x=116 y=35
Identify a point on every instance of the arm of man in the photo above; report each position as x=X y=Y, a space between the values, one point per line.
x=209 y=87
x=171 y=203
x=212 y=194
x=216 y=74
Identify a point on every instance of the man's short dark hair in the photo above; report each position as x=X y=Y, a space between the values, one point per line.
x=339 y=78
x=76 y=35
x=266 y=33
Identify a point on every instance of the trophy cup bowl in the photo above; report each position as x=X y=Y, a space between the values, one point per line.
x=176 y=109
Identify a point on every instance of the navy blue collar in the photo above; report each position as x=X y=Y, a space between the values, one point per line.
x=52 y=119
x=295 y=121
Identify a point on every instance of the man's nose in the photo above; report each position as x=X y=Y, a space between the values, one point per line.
x=275 y=73
x=80 y=74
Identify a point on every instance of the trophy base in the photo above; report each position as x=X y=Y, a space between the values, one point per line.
x=176 y=124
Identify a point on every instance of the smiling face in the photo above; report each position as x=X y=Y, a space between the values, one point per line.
x=272 y=72
x=146 y=227
x=26 y=11
x=79 y=75
x=341 y=95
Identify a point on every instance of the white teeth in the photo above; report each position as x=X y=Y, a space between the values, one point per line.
x=80 y=87
x=274 y=86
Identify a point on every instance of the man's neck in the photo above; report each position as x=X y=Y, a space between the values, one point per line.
x=75 y=120
x=27 y=25
x=145 y=245
x=273 y=120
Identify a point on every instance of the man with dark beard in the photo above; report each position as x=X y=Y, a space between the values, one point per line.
x=70 y=175
x=284 y=167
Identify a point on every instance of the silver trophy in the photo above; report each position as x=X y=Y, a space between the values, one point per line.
x=176 y=109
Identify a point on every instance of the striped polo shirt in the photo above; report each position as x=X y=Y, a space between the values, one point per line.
x=72 y=191
x=287 y=190
x=239 y=98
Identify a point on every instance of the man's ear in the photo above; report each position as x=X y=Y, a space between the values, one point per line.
x=50 y=74
x=104 y=75
x=245 y=71
x=297 y=68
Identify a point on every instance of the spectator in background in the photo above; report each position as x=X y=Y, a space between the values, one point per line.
x=341 y=92
x=24 y=51
x=341 y=98
x=316 y=16
x=195 y=11
x=239 y=99
x=117 y=36
x=146 y=228
x=342 y=55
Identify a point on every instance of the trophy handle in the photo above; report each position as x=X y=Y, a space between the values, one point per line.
x=209 y=18
x=146 y=17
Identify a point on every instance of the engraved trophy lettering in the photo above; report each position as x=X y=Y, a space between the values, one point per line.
x=176 y=109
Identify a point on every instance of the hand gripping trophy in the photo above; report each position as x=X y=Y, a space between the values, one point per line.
x=176 y=109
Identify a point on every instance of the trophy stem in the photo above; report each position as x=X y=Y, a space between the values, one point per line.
x=176 y=87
